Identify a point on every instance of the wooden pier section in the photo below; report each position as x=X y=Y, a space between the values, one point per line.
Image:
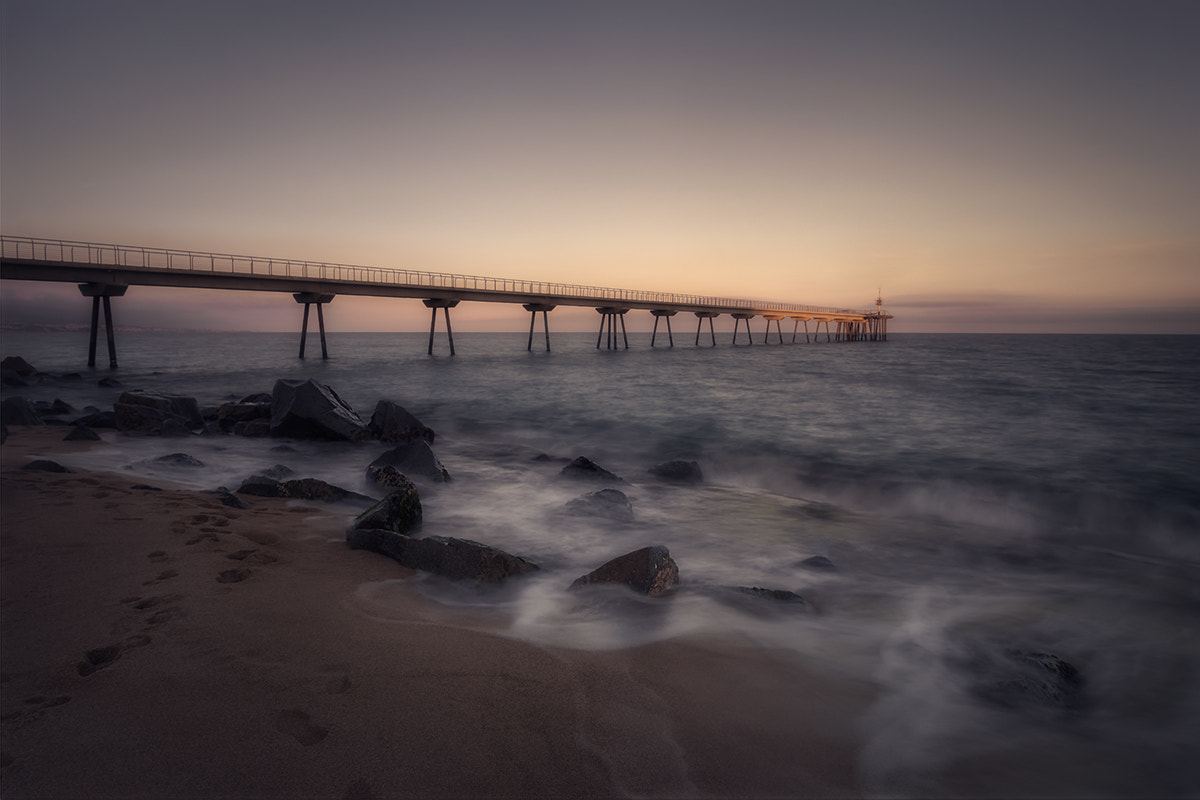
x=104 y=271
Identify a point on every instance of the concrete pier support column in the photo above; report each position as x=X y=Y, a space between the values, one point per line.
x=433 y=304
x=609 y=316
x=659 y=312
x=771 y=318
x=737 y=318
x=706 y=315
x=102 y=292
x=309 y=299
x=533 y=309
x=796 y=328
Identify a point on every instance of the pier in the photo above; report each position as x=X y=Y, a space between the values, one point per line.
x=105 y=271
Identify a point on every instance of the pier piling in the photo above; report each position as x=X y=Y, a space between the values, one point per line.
x=737 y=318
x=433 y=304
x=102 y=292
x=658 y=313
x=309 y=299
x=700 y=317
x=533 y=309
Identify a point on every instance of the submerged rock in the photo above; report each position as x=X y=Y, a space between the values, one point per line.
x=393 y=423
x=45 y=465
x=399 y=512
x=311 y=410
x=457 y=559
x=586 y=469
x=14 y=371
x=608 y=503
x=298 y=489
x=1031 y=679
x=774 y=595
x=649 y=571
x=818 y=563
x=81 y=433
x=412 y=459
x=177 y=460
x=678 y=472
x=153 y=414
x=98 y=419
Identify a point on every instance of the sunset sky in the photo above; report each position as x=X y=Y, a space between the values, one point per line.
x=991 y=166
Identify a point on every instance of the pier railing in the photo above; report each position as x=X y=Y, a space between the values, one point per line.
x=158 y=258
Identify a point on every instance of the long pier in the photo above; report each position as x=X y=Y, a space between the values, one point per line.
x=105 y=271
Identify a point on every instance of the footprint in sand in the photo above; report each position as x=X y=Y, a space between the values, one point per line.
x=299 y=726
x=98 y=659
x=203 y=537
x=253 y=556
x=158 y=556
x=233 y=575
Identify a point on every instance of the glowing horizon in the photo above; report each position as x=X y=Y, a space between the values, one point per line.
x=1039 y=161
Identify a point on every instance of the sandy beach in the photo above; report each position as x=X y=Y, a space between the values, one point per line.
x=161 y=644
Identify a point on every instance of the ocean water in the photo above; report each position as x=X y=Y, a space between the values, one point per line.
x=982 y=499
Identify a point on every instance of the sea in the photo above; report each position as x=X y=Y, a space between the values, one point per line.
x=1009 y=524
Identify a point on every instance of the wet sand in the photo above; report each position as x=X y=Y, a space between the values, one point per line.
x=161 y=644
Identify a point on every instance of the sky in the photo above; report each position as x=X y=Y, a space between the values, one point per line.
x=988 y=166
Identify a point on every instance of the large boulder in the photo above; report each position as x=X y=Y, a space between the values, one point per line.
x=152 y=414
x=457 y=559
x=649 y=571
x=678 y=472
x=399 y=512
x=393 y=424
x=413 y=459
x=19 y=411
x=606 y=503
x=587 y=470
x=311 y=410
x=98 y=419
x=18 y=366
x=16 y=371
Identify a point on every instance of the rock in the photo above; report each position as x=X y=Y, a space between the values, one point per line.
x=229 y=415
x=19 y=411
x=72 y=376
x=393 y=424
x=18 y=366
x=649 y=571
x=153 y=414
x=230 y=499
x=678 y=472
x=607 y=503
x=54 y=409
x=298 y=489
x=772 y=595
x=254 y=427
x=1028 y=679
x=177 y=460
x=108 y=383
x=586 y=469
x=279 y=472
x=457 y=559
x=81 y=433
x=310 y=410
x=415 y=459
x=463 y=559
x=399 y=512
x=387 y=476
x=259 y=397
x=42 y=465
x=98 y=419
x=818 y=562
